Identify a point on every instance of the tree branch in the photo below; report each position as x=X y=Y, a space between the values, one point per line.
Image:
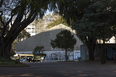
x=5 y=27
x=21 y=26
x=1 y=2
x=1 y=17
x=70 y=1
x=29 y=17
x=28 y=20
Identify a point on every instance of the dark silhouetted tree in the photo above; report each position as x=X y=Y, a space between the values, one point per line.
x=64 y=40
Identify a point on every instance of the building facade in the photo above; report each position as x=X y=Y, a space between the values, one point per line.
x=44 y=39
x=31 y=29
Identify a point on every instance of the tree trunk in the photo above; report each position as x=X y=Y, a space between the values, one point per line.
x=91 y=47
x=103 y=55
x=65 y=54
x=91 y=55
x=103 y=52
x=5 y=49
x=91 y=52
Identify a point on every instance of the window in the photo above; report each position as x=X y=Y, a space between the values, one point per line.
x=28 y=28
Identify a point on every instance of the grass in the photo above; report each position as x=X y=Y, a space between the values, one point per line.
x=11 y=63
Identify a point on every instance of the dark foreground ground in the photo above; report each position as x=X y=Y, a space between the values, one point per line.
x=61 y=69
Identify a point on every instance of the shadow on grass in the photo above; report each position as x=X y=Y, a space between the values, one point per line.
x=12 y=63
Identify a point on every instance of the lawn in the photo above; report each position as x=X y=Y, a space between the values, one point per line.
x=11 y=63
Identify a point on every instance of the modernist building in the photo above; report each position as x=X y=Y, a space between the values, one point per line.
x=44 y=39
x=31 y=29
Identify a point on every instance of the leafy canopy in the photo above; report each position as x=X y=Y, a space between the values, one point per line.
x=64 y=40
x=38 y=49
x=60 y=20
x=96 y=21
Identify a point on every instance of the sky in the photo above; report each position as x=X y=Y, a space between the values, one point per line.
x=48 y=12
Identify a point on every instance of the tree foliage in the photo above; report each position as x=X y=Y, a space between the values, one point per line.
x=92 y=19
x=93 y=22
x=38 y=49
x=96 y=23
x=71 y=9
x=15 y=15
x=64 y=40
x=60 y=20
x=41 y=24
x=23 y=35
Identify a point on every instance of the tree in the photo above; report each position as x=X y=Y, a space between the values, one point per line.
x=38 y=53
x=99 y=13
x=38 y=50
x=71 y=10
x=23 y=35
x=96 y=23
x=12 y=51
x=89 y=28
x=15 y=15
x=64 y=40
x=86 y=32
x=58 y=21
x=41 y=24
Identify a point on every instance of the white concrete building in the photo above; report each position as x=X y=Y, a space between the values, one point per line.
x=44 y=39
x=31 y=29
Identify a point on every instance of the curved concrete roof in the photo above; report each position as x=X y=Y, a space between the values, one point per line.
x=42 y=39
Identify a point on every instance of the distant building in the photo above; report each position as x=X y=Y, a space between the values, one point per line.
x=44 y=39
x=31 y=29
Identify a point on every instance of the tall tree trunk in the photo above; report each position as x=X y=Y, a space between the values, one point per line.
x=5 y=49
x=103 y=54
x=103 y=51
x=91 y=48
x=65 y=54
x=91 y=52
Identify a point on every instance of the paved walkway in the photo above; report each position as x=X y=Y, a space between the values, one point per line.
x=61 y=69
